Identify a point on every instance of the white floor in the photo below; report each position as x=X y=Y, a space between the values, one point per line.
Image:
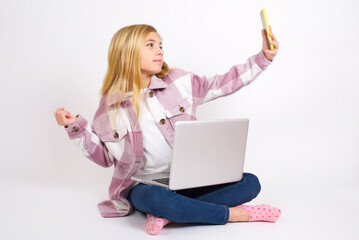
x=38 y=211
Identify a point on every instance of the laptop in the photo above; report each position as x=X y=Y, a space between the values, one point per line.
x=204 y=153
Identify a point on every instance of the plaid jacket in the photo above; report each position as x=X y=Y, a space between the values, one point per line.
x=170 y=99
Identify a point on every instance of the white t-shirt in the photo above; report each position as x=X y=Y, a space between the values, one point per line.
x=157 y=152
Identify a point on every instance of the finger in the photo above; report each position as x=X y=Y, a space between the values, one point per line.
x=59 y=120
x=61 y=113
x=270 y=53
x=263 y=32
x=58 y=110
x=69 y=121
x=57 y=114
x=67 y=114
x=274 y=50
x=273 y=36
x=275 y=44
x=264 y=39
x=61 y=116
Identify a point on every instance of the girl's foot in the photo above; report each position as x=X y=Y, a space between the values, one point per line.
x=262 y=212
x=155 y=224
x=237 y=214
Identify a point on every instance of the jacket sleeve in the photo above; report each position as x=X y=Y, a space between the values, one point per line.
x=205 y=89
x=89 y=142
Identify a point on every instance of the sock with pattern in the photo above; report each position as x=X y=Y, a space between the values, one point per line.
x=262 y=212
x=154 y=224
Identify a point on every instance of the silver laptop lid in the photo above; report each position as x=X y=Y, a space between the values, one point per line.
x=208 y=152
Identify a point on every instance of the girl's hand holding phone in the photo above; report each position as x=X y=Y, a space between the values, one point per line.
x=270 y=54
x=63 y=117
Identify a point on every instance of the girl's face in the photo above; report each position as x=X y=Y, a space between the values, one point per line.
x=151 y=55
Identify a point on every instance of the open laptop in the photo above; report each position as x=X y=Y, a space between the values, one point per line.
x=204 y=153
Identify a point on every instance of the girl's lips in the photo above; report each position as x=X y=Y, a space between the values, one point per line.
x=159 y=61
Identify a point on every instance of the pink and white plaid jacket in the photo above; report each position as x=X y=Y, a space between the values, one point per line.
x=170 y=99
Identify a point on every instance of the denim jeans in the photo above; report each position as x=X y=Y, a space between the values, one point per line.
x=197 y=205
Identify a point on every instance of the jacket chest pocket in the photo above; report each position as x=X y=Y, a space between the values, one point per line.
x=115 y=135
x=179 y=112
x=115 y=142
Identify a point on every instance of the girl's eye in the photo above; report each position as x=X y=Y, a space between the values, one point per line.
x=150 y=45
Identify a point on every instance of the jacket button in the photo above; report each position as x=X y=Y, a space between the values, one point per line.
x=162 y=121
x=151 y=94
x=182 y=109
x=115 y=135
x=75 y=129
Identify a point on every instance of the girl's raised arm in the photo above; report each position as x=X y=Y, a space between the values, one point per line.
x=206 y=89
x=84 y=138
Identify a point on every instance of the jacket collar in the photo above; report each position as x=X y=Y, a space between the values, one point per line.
x=156 y=83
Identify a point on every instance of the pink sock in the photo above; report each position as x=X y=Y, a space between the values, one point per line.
x=262 y=212
x=154 y=224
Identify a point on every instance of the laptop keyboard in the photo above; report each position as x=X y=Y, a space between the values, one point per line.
x=165 y=181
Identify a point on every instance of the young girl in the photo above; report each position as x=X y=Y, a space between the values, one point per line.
x=133 y=130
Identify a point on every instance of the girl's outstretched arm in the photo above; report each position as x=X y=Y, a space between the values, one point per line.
x=205 y=89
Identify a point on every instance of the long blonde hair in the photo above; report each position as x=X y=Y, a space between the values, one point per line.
x=124 y=70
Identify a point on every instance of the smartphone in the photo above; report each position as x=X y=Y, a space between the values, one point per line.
x=266 y=28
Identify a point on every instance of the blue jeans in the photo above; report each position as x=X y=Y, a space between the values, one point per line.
x=197 y=205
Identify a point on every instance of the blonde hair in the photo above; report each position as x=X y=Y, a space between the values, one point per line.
x=124 y=70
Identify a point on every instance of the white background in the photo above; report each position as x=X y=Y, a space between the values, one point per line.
x=303 y=110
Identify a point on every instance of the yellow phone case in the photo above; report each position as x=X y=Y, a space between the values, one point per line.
x=266 y=28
